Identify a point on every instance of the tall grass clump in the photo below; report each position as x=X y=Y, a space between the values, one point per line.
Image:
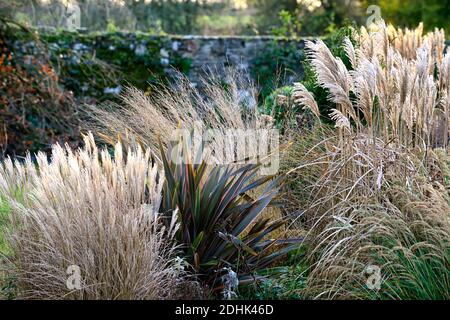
x=95 y=212
x=378 y=192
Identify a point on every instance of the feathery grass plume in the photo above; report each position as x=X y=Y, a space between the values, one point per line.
x=332 y=75
x=444 y=100
x=351 y=52
x=86 y=210
x=340 y=120
x=374 y=42
x=364 y=79
x=406 y=41
x=305 y=99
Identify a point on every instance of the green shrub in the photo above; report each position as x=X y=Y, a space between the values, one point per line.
x=277 y=65
x=280 y=106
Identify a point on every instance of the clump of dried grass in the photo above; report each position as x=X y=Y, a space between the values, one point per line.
x=86 y=209
x=219 y=104
x=378 y=189
x=375 y=219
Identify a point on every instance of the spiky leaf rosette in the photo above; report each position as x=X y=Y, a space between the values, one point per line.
x=220 y=224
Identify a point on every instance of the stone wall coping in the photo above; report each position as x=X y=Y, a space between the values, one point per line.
x=82 y=32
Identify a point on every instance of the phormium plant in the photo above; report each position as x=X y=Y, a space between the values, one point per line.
x=220 y=224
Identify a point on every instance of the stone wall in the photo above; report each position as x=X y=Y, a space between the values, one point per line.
x=144 y=58
x=219 y=53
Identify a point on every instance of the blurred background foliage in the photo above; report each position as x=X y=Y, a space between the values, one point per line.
x=227 y=17
x=408 y=13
